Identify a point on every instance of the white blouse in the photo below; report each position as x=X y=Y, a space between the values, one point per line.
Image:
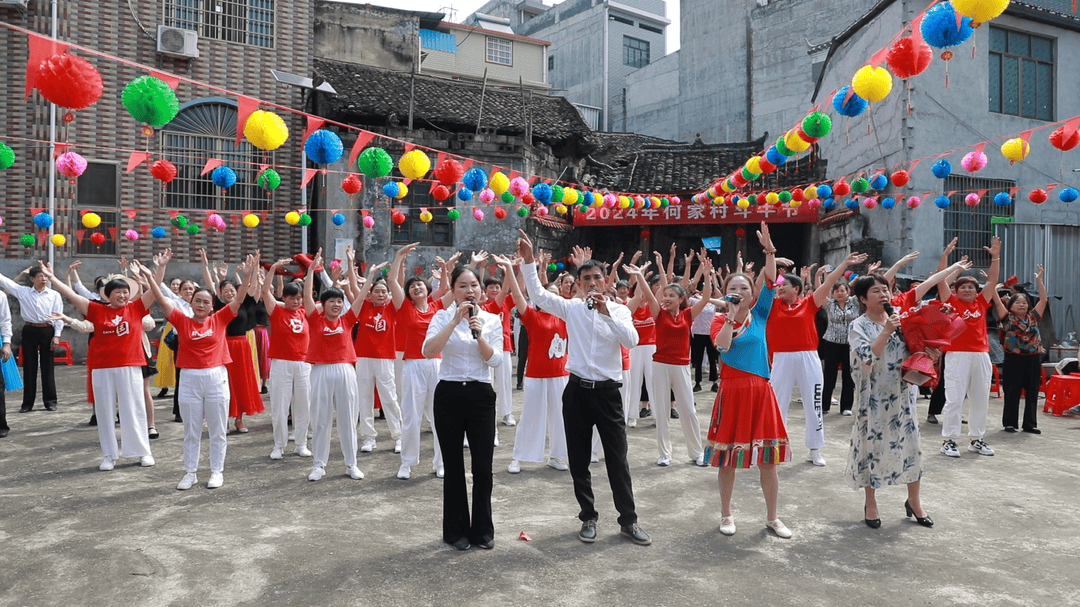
x=461 y=360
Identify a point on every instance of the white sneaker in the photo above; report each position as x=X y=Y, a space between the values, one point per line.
x=404 y=472
x=595 y=458
x=276 y=453
x=106 y=464
x=664 y=461
x=727 y=525
x=439 y=471
x=509 y=420
x=558 y=464
x=355 y=473
x=846 y=413
x=700 y=461
x=146 y=461
x=368 y=446
x=978 y=446
x=465 y=445
x=779 y=528
x=302 y=451
x=514 y=467
x=949 y=448
x=815 y=456
x=496 y=439
x=216 y=480
x=397 y=446
x=187 y=482
x=316 y=473
x=632 y=423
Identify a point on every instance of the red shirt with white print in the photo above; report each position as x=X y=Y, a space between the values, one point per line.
x=289 y=334
x=547 y=344
x=504 y=313
x=117 y=335
x=375 y=338
x=330 y=339
x=412 y=325
x=202 y=345
x=974 y=315
x=791 y=328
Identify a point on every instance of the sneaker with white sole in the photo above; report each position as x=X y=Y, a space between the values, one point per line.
x=727 y=525
x=980 y=447
x=949 y=448
x=397 y=446
x=846 y=413
x=663 y=461
x=404 y=472
x=700 y=461
x=558 y=464
x=216 y=480
x=496 y=439
x=368 y=446
x=816 y=458
x=107 y=463
x=146 y=461
x=355 y=473
x=302 y=451
x=276 y=453
x=316 y=473
x=439 y=471
x=514 y=467
x=631 y=423
x=508 y=420
x=187 y=482
x=595 y=458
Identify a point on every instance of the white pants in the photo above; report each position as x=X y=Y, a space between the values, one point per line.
x=290 y=383
x=805 y=368
x=372 y=374
x=675 y=378
x=641 y=368
x=418 y=378
x=333 y=387
x=204 y=395
x=966 y=374
x=120 y=388
x=502 y=379
x=399 y=360
x=541 y=417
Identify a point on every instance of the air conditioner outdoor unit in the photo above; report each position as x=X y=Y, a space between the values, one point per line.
x=177 y=42
x=18 y=3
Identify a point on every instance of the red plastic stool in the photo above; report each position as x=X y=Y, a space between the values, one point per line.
x=995 y=385
x=67 y=358
x=1062 y=392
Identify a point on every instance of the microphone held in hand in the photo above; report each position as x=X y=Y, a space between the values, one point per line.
x=888 y=309
x=472 y=314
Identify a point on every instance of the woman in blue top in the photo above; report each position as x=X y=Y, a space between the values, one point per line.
x=746 y=427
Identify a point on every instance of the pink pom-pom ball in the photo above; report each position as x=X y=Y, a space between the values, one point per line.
x=369 y=222
x=610 y=200
x=675 y=200
x=971 y=199
x=131 y=235
x=478 y=214
x=70 y=164
x=487 y=195
x=973 y=161
x=337 y=264
x=541 y=210
x=870 y=203
x=518 y=187
x=914 y=202
x=814 y=203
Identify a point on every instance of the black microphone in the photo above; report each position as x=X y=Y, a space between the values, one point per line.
x=472 y=314
x=888 y=309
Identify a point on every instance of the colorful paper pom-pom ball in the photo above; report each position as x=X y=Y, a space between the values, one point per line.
x=848 y=106
x=43 y=220
x=426 y=216
x=973 y=161
x=150 y=100
x=131 y=235
x=351 y=184
x=817 y=124
x=542 y=192
x=487 y=195
x=743 y=203
x=453 y=214
x=900 y=178
x=163 y=170
x=375 y=163
x=369 y=222
x=1015 y=149
x=478 y=214
x=1062 y=138
x=464 y=194
x=570 y=196
x=972 y=199
x=475 y=180
x=391 y=188
x=879 y=181
x=91 y=220
x=27 y=240
x=913 y=202
x=860 y=185
x=305 y=219
x=518 y=186
x=414 y=164
x=872 y=83
x=941 y=29
x=888 y=203
x=774 y=156
x=942 y=202
x=440 y=192
x=179 y=221
x=500 y=213
x=7 y=156
x=192 y=229
x=794 y=142
x=97 y=238
x=223 y=177
x=337 y=218
x=980 y=11
x=292 y=218
x=1002 y=199
x=398 y=217
x=59 y=240
x=852 y=204
x=941 y=169
x=70 y=164
x=251 y=220
x=269 y=180
x=824 y=191
x=1068 y=195
x=68 y=81
x=1038 y=196
x=841 y=188
x=498 y=183
x=324 y=147
x=449 y=171
x=909 y=56
x=523 y=211
x=507 y=197
x=158 y=232
x=557 y=193
x=828 y=204
x=265 y=130
x=870 y=203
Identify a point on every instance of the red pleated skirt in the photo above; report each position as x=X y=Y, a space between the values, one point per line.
x=746 y=426
x=244 y=395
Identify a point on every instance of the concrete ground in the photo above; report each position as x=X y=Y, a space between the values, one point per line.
x=1005 y=534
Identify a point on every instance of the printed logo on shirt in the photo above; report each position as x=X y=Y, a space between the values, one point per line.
x=557 y=349
x=122 y=326
x=971 y=314
x=296 y=325
x=335 y=331
x=196 y=334
x=379 y=323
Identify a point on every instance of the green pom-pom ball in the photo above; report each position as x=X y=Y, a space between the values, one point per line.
x=860 y=185
x=179 y=221
x=523 y=211
x=192 y=229
x=507 y=197
x=453 y=214
x=557 y=193
x=269 y=179
x=784 y=196
x=817 y=124
x=7 y=156
x=305 y=219
x=150 y=100
x=375 y=163
x=27 y=240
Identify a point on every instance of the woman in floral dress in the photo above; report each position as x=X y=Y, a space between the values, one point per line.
x=885 y=437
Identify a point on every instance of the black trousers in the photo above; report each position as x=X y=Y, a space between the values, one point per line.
x=522 y=353
x=466 y=409
x=3 y=405
x=937 y=397
x=701 y=344
x=1021 y=372
x=584 y=408
x=832 y=357
x=37 y=341
x=176 y=394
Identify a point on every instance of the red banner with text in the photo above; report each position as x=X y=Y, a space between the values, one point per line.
x=695 y=214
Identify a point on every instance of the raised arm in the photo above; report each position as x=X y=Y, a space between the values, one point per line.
x=540 y=296
x=941 y=276
x=396 y=281
x=665 y=277
x=269 y=301
x=309 y=281
x=706 y=289
x=613 y=273
x=821 y=295
x=366 y=288
x=511 y=283
x=644 y=291
x=890 y=274
x=155 y=289
x=944 y=292
x=251 y=282
x=995 y=269
x=770 y=253
x=208 y=276
x=81 y=303
x=1040 y=307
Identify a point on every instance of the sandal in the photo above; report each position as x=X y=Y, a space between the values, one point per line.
x=153 y=433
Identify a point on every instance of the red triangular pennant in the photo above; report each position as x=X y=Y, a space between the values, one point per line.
x=113 y=232
x=172 y=81
x=465 y=165
x=5 y=238
x=42 y=236
x=263 y=214
x=1026 y=135
x=244 y=107
x=131 y=213
x=36 y=210
x=1071 y=127
x=210 y=165
x=314 y=123
x=409 y=147
x=878 y=57
x=362 y=139
x=915 y=163
x=439 y=158
x=173 y=214
x=79 y=235
x=60 y=148
x=145 y=229
x=309 y=174
x=235 y=220
x=136 y=159
x=512 y=175
x=41 y=48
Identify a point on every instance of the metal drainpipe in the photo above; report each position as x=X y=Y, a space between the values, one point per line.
x=52 y=165
x=607 y=123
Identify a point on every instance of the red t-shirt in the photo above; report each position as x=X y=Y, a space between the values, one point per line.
x=645 y=325
x=329 y=340
x=117 y=335
x=974 y=314
x=547 y=344
x=289 y=335
x=791 y=328
x=504 y=313
x=202 y=345
x=399 y=331
x=375 y=339
x=412 y=325
x=904 y=302
x=673 y=337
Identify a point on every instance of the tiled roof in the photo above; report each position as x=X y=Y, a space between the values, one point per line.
x=372 y=95
x=627 y=162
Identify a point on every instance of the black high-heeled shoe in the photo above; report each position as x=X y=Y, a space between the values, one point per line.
x=922 y=520
x=873 y=523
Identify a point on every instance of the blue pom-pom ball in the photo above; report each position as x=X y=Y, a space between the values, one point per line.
x=854 y=106
x=939 y=27
x=542 y=193
x=879 y=182
x=338 y=219
x=158 y=232
x=824 y=191
x=942 y=202
x=391 y=189
x=223 y=177
x=941 y=169
x=1068 y=195
x=1002 y=199
x=464 y=194
x=888 y=203
x=560 y=266
x=43 y=220
x=774 y=156
x=590 y=198
x=829 y=204
x=324 y=147
x=475 y=180
x=851 y=203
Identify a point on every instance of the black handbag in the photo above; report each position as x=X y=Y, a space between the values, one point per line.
x=172 y=340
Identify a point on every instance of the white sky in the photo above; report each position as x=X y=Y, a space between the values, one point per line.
x=462 y=8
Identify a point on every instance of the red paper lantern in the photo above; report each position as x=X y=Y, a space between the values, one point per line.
x=1038 y=196
x=449 y=171
x=900 y=178
x=841 y=188
x=802 y=135
x=909 y=57
x=352 y=184
x=528 y=198
x=440 y=192
x=797 y=194
x=500 y=213
x=765 y=165
x=761 y=199
x=646 y=233
x=740 y=232
x=738 y=180
x=163 y=170
x=1062 y=141
x=97 y=238
x=398 y=217
x=68 y=81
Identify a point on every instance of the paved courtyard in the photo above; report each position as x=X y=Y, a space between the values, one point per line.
x=1005 y=534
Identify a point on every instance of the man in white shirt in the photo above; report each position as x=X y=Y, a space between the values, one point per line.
x=596 y=328
x=5 y=354
x=39 y=335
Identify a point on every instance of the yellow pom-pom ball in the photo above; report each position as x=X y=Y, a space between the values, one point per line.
x=59 y=240
x=754 y=165
x=91 y=220
x=570 y=196
x=810 y=193
x=1015 y=149
x=561 y=209
x=872 y=83
x=403 y=191
x=292 y=218
x=772 y=198
x=499 y=183
x=743 y=203
x=425 y=216
x=727 y=187
x=794 y=142
x=251 y=220
x=795 y=203
x=624 y=202
x=980 y=11
x=265 y=130
x=414 y=164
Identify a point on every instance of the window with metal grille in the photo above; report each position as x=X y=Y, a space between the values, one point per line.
x=551 y=63
x=437 y=232
x=201 y=132
x=635 y=52
x=99 y=191
x=1021 y=74
x=971 y=225
x=243 y=21
x=500 y=51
